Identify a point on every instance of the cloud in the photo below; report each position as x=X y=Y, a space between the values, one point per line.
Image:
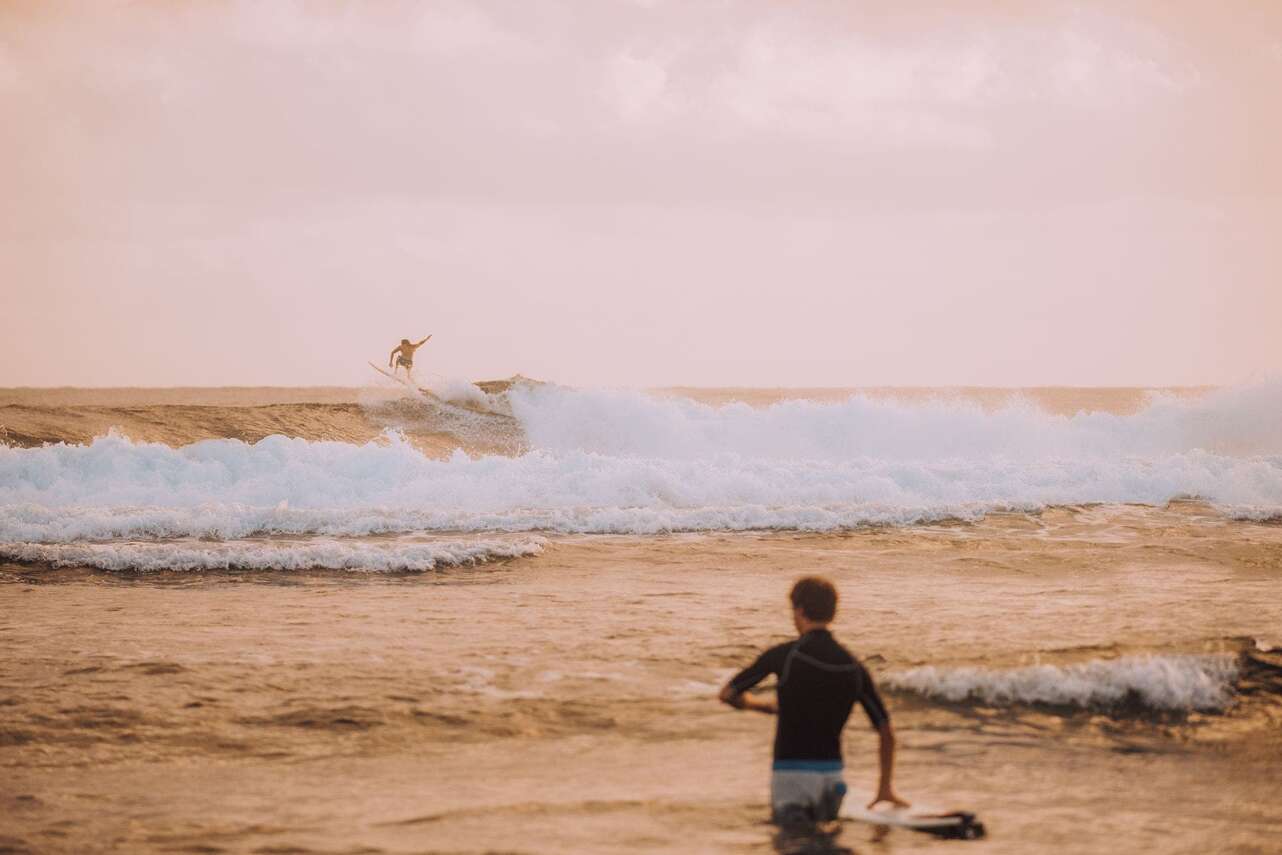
x=255 y=105
x=636 y=85
x=290 y=25
x=851 y=88
x=549 y=167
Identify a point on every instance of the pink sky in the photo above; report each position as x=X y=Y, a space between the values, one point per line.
x=641 y=193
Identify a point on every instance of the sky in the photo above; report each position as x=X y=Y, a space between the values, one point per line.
x=641 y=193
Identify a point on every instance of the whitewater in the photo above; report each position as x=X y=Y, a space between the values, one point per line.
x=1152 y=682
x=628 y=462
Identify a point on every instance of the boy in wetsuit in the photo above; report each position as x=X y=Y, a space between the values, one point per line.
x=819 y=683
x=403 y=354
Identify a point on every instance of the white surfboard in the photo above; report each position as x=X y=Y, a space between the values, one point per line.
x=461 y=408
x=404 y=381
x=956 y=824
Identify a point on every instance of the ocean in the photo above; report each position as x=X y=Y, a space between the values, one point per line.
x=495 y=618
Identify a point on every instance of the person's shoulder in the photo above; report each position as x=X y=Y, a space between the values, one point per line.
x=779 y=651
x=843 y=653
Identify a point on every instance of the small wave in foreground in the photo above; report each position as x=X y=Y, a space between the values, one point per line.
x=1170 y=683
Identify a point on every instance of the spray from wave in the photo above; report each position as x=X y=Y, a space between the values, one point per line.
x=1238 y=422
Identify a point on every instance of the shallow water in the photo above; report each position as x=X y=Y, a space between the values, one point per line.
x=252 y=621
x=564 y=702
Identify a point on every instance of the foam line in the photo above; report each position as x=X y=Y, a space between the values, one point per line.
x=329 y=555
x=1164 y=683
x=114 y=488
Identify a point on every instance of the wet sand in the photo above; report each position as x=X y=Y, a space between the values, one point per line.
x=564 y=702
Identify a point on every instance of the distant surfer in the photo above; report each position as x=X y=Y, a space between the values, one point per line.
x=403 y=355
x=819 y=683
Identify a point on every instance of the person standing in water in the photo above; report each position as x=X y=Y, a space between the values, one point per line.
x=819 y=683
x=403 y=355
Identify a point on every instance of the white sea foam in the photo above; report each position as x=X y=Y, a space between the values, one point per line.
x=1236 y=422
x=1176 y=683
x=327 y=555
x=458 y=391
x=225 y=488
x=627 y=462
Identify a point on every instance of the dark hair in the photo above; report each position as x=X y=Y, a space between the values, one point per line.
x=816 y=597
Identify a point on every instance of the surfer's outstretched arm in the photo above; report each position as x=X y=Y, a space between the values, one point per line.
x=420 y=344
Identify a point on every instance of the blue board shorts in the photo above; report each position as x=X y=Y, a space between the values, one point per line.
x=806 y=790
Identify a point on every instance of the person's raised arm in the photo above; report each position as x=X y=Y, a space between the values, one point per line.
x=421 y=343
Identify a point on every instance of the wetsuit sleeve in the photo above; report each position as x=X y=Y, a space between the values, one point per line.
x=868 y=697
x=770 y=662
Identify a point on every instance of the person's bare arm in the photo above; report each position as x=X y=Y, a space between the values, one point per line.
x=392 y=356
x=886 y=761
x=745 y=701
x=421 y=343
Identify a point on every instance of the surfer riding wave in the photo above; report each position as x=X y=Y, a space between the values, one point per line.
x=402 y=356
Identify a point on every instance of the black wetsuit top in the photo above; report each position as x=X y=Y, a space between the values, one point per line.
x=819 y=682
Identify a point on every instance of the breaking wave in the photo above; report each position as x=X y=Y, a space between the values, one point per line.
x=1159 y=683
x=1234 y=422
x=628 y=462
